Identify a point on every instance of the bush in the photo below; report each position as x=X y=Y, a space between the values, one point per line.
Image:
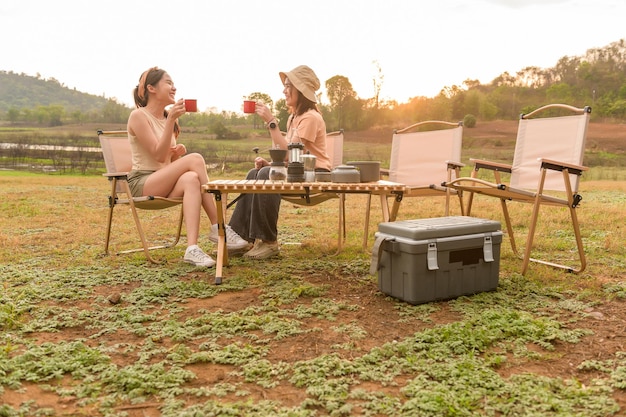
x=469 y=120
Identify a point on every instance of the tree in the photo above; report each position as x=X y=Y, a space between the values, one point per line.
x=340 y=92
x=13 y=114
x=378 y=84
x=282 y=113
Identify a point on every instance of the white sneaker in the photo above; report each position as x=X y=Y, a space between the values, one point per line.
x=194 y=255
x=233 y=240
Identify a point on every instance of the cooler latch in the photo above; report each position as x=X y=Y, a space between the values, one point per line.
x=488 y=249
x=431 y=256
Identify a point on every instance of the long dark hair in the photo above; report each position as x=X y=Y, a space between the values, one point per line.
x=151 y=76
x=304 y=104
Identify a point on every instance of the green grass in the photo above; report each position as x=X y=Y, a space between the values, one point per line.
x=306 y=334
x=175 y=342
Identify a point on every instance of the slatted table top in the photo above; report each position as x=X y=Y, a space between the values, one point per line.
x=285 y=187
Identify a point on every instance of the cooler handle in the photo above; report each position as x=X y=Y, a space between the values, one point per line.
x=377 y=252
x=488 y=248
x=431 y=255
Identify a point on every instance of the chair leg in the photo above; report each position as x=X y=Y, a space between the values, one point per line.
x=572 y=212
x=579 y=240
x=179 y=229
x=462 y=207
x=142 y=236
x=575 y=225
x=470 y=200
x=509 y=227
x=531 y=233
x=112 y=198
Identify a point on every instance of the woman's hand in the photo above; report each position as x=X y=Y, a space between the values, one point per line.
x=178 y=150
x=177 y=109
x=260 y=162
x=263 y=111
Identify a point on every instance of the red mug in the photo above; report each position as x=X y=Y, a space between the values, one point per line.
x=249 y=106
x=191 y=105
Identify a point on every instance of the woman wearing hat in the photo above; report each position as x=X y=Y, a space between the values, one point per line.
x=256 y=215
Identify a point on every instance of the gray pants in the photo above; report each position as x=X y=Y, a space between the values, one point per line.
x=256 y=215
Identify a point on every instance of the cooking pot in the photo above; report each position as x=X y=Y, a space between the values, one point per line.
x=323 y=176
x=370 y=170
x=345 y=173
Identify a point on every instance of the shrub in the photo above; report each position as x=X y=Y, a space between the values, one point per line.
x=469 y=120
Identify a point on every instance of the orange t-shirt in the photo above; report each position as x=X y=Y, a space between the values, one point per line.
x=311 y=129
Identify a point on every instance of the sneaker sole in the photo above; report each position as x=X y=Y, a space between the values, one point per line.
x=246 y=246
x=199 y=265
x=234 y=252
x=263 y=256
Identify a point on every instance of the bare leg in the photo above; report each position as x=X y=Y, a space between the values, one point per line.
x=183 y=178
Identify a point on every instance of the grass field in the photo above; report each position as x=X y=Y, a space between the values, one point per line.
x=307 y=333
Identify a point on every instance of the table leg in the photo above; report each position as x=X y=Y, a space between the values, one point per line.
x=366 y=227
x=384 y=205
x=222 y=252
x=396 y=207
x=342 y=222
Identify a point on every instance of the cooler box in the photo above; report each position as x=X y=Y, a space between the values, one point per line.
x=424 y=260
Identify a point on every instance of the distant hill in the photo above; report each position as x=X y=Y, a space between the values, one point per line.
x=23 y=91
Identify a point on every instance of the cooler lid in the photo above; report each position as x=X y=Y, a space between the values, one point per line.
x=420 y=229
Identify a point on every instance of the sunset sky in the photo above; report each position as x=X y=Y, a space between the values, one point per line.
x=219 y=51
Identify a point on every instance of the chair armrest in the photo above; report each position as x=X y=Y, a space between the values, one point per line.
x=561 y=166
x=494 y=166
x=115 y=174
x=454 y=164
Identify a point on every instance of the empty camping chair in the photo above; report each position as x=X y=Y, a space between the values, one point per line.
x=118 y=161
x=423 y=160
x=546 y=170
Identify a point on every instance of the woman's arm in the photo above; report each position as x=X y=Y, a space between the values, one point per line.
x=277 y=137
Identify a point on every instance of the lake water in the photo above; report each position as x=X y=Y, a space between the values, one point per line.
x=50 y=147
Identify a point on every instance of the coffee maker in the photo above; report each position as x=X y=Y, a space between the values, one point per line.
x=295 y=167
x=309 y=167
x=278 y=171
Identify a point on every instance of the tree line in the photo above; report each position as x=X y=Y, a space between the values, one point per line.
x=597 y=79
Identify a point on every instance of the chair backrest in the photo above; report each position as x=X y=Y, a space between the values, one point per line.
x=334 y=147
x=560 y=138
x=115 y=150
x=419 y=158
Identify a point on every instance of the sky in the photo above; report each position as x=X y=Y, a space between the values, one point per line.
x=220 y=51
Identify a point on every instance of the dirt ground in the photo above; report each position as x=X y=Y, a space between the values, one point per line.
x=377 y=316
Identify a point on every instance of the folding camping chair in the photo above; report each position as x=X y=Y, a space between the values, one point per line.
x=117 y=158
x=423 y=160
x=548 y=157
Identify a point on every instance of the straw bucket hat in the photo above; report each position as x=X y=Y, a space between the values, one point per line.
x=304 y=79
